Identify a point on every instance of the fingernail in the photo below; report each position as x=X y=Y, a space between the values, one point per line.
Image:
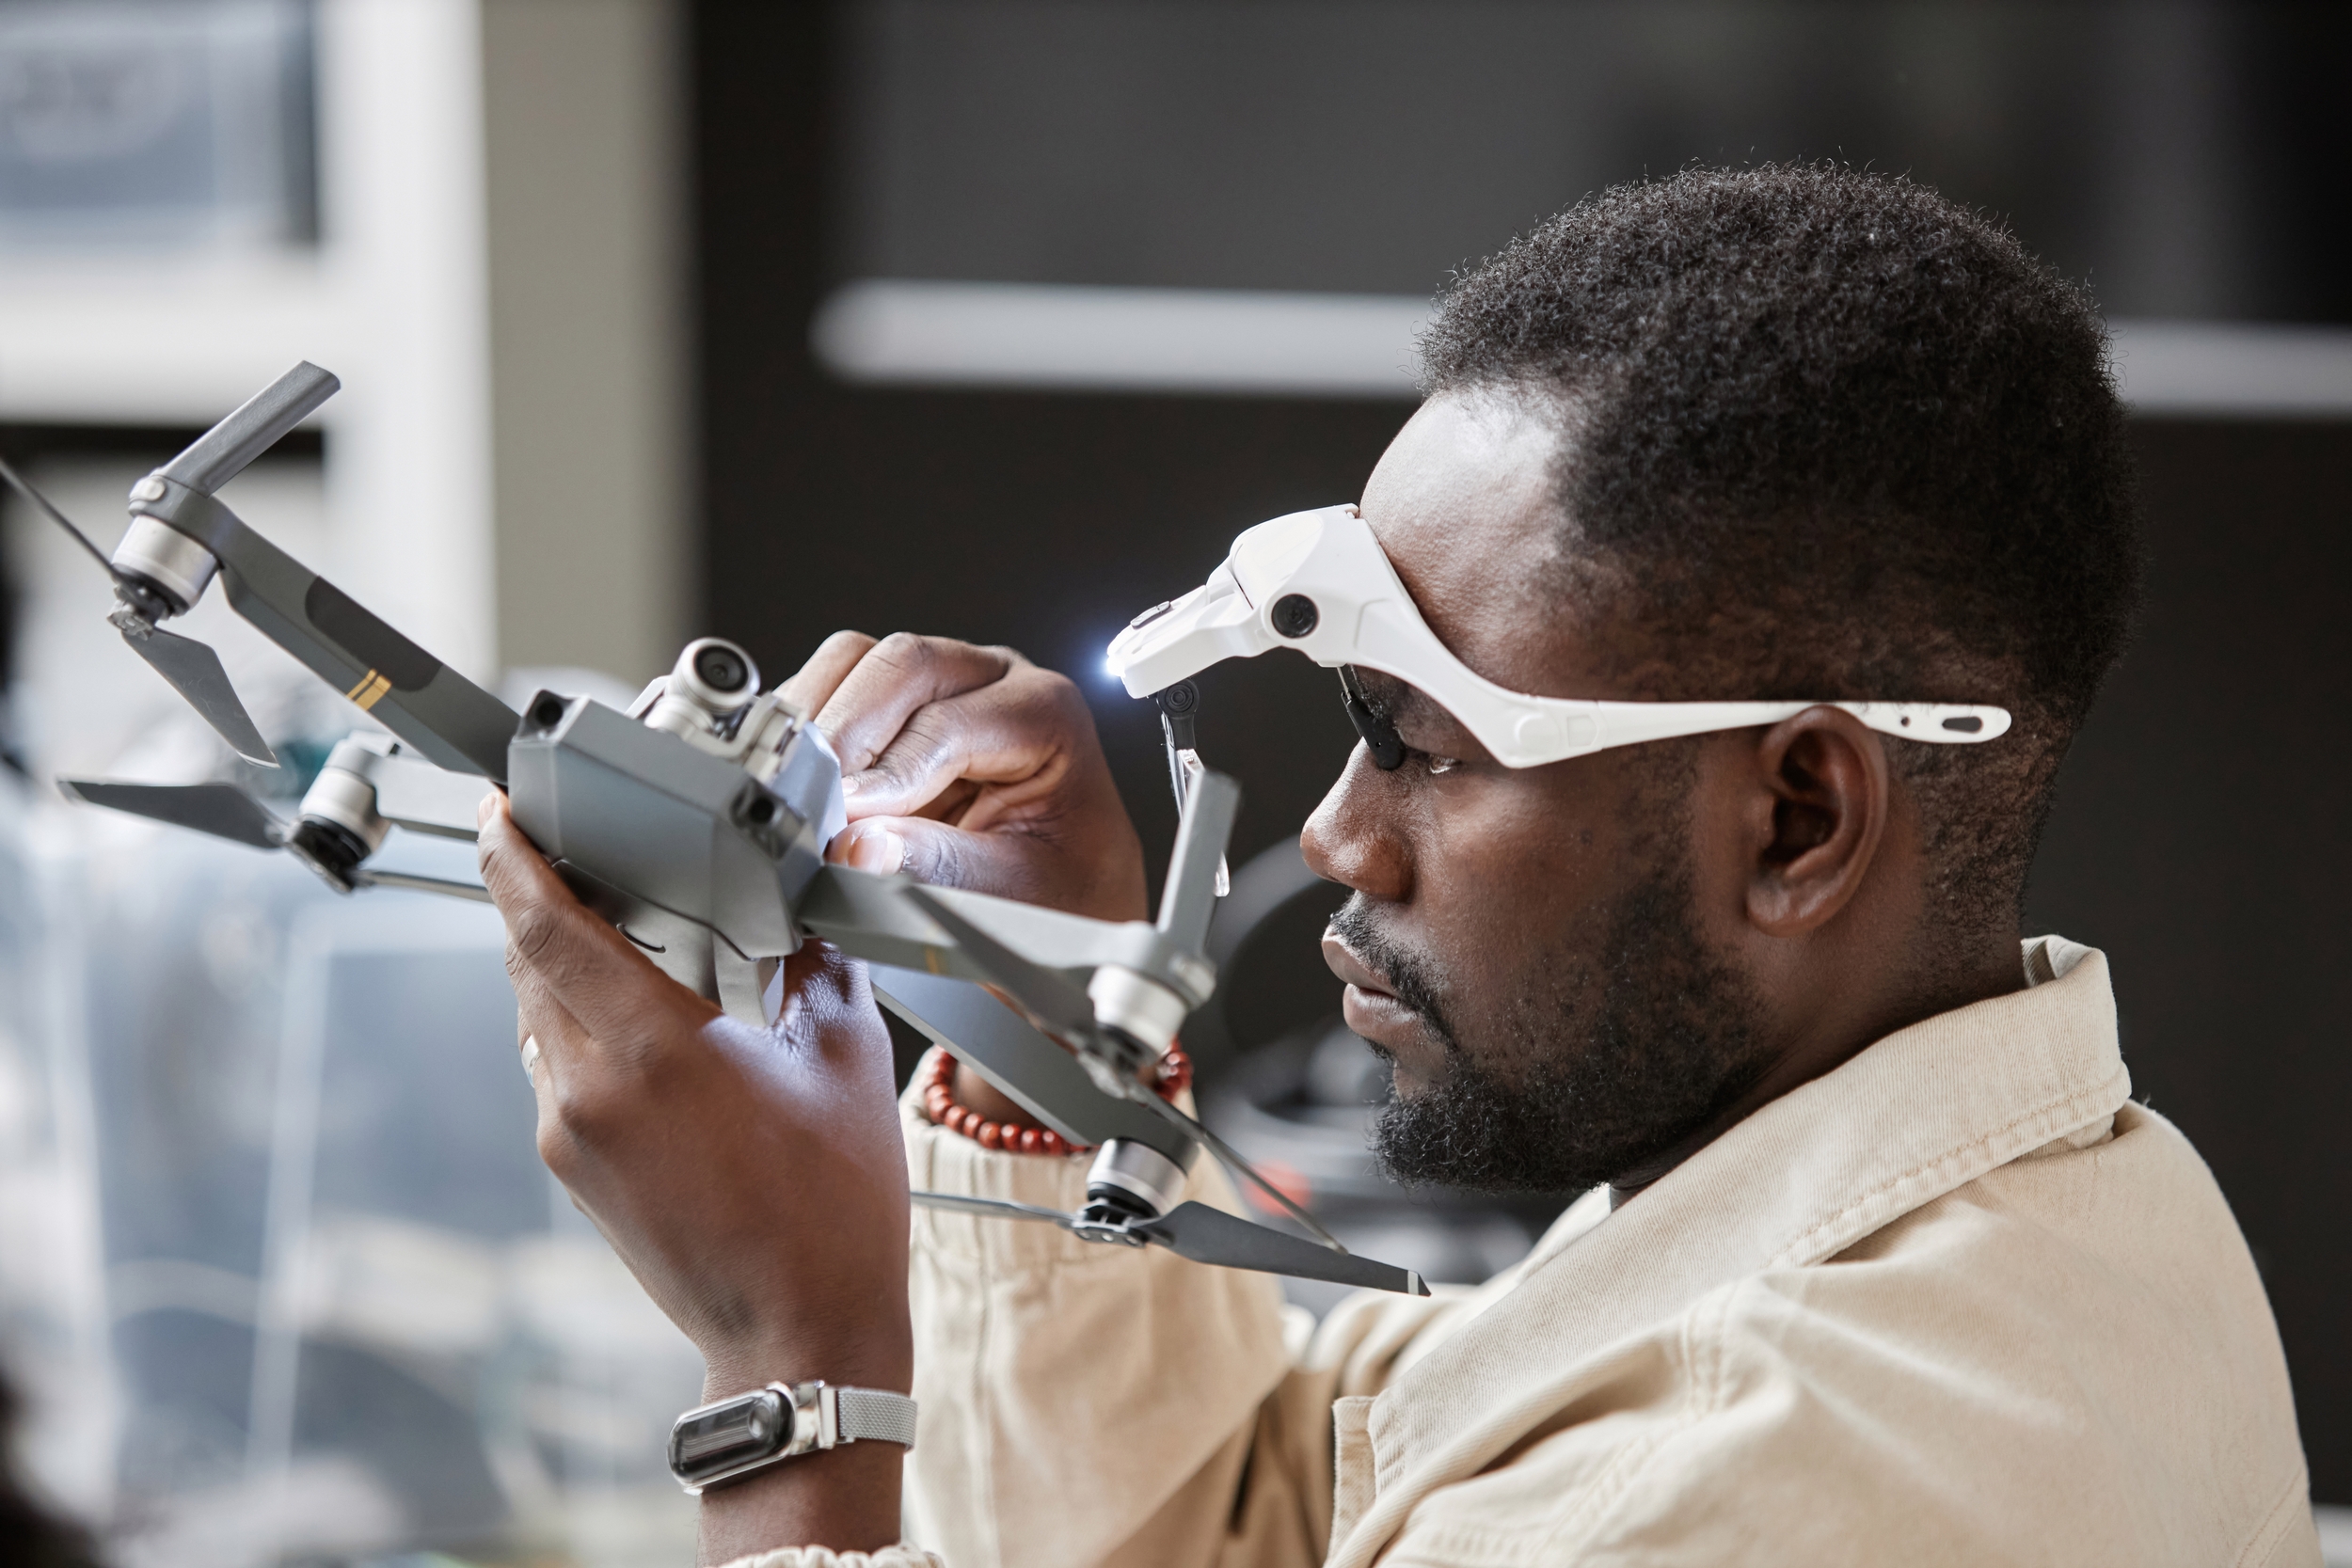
x=849 y=784
x=881 y=851
x=482 y=812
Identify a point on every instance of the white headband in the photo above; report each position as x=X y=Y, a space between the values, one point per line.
x=1318 y=581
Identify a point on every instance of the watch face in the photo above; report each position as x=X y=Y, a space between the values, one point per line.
x=719 y=1438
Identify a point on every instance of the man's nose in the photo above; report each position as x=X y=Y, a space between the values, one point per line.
x=1352 y=838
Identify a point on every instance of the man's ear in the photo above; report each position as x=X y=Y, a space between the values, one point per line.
x=1825 y=773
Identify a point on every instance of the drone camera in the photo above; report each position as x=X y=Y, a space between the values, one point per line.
x=715 y=676
x=721 y=668
x=546 y=711
x=704 y=693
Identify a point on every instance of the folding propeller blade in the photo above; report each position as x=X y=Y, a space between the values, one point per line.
x=1208 y=1235
x=47 y=506
x=1045 y=994
x=221 y=810
x=992 y=1208
x=193 y=671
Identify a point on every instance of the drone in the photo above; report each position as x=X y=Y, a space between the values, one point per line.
x=696 y=822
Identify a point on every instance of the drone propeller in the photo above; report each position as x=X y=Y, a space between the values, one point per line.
x=1203 y=1235
x=221 y=810
x=227 y=812
x=192 y=668
x=195 y=671
x=1060 y=1010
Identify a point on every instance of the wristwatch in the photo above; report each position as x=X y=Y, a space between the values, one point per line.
x=716 y=1444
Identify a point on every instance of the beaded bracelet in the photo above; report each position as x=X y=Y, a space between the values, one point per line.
x=939 y=1106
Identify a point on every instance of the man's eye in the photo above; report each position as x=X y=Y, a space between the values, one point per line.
x=1442 y=765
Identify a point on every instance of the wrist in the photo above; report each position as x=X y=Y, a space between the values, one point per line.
x=847 y=1498
x=976 y=1093
x=958 y=1098
x=884 y=1361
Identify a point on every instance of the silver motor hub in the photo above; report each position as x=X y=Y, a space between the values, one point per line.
x=164 y=559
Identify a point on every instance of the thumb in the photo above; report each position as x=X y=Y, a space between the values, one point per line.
x=943 y=856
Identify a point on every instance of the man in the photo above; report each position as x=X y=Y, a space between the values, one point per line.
x=1881 y=1261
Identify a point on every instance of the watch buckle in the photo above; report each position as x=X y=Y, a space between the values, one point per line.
x=828 y=1414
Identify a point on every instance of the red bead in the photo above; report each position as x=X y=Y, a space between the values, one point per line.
x=990 y=1135
x=1029 y=1140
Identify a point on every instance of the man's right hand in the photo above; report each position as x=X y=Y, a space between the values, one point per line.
x=971 y=768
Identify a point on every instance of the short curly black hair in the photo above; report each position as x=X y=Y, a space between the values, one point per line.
x=1829 y=435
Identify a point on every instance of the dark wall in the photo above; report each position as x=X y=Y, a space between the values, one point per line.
x=1041 y=521
x=2204 y=839
x=2199 y=837
x=2181 y=157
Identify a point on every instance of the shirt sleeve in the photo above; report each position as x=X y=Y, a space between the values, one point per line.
x=825 y=1557
x=1084 y=1404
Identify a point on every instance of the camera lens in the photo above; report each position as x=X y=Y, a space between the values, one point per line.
x=721 y=668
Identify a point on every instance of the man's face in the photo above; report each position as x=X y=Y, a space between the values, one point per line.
x=1530 y=947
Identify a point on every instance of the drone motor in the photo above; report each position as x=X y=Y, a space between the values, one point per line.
x=173 y=568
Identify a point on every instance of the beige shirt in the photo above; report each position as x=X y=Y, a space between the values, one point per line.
x=1960 y=1301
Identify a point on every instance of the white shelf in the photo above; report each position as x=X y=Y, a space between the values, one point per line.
x=895 y=332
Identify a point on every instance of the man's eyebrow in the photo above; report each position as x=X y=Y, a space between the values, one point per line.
x=1399 y=702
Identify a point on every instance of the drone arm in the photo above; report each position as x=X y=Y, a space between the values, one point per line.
x=451 y=721
x=472 y=893
x=424 y=798
x=1210 y=807
x=867 y=916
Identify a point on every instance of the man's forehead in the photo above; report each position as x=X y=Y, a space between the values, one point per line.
x=1464 y=503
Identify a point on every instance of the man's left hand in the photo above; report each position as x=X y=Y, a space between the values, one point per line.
x=754 y=1179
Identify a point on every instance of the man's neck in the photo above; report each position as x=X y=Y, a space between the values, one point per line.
x=1846 y=1023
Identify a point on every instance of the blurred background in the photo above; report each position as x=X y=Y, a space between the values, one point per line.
x=664 y=317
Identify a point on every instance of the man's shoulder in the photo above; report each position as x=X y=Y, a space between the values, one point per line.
x=2068 y=1358
x=2068 y=1354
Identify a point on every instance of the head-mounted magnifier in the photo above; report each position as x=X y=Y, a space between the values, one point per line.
x=1318 y=581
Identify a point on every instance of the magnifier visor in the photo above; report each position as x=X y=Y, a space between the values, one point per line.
x=1318 y=581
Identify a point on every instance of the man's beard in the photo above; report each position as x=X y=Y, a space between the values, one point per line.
x=1595 y=1076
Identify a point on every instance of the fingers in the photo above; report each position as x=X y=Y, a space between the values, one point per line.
x=813 y=686
x=1019 y=728
x=1007 y=865
x=896 y=676
x=588 y=968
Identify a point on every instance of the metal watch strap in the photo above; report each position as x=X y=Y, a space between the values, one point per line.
x=744 y=1435
x=872 y=1414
